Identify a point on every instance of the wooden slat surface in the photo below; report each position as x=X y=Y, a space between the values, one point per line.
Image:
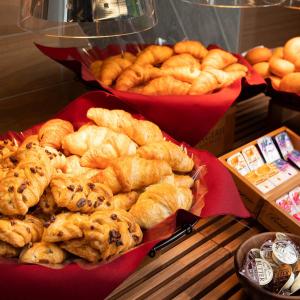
x=198 y=266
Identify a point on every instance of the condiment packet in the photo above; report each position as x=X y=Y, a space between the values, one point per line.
x=260 y=180
x=284 y=144
x=295 y=195
x=268 y=149
x=238 y=162
x=294 y=157
x=252 y=157
x=285 y=168
x=287 y=204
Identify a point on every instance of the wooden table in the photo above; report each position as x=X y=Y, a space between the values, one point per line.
x=198 y=266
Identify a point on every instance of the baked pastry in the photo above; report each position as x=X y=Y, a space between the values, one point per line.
x=158 y=202
x=205 y=83
x=7 y=149
x=275 y=81
x=226 y=78
x=95 y=68
x=136 y=75
x=291 y=83
x=8 y=251
x=262 y=68
x=132 y=173
x=52 y=132
x=184 y=181
x=217 y=59
x=19 y=233
x=113 y=232
x=140 y=131
x=83 y=249
x=193 y=48
x=24 y=185
x=166 y=85
x=154 y=55
x=80 y=195
x=47 y=203
x=277 y=52
x=65 y=227
x=42 y=253
x=125 y=200
x=169 y=152
x=257 y=55
x=281 y=67
x=291 y=50
x=236 y=67
x=183 y=73
x=181 y=60
x=92 y=136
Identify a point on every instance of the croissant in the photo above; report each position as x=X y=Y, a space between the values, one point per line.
x=178 y=180
x=118 y=146
x=111 y=68
x=8 y=251
x=194 y=48
x=52 y=132
x=169 y=152
x=7 y=149
x=226 y=78
x=205 y=83
x=132 y=173
x=140 y=131
x=113 y=232
x=95 y=68
x=92 y=136
x=42 y=253
x=82 y=248
x=19 y=233
x=80 y=195
x=65 y=227
x=125 y=200
x=181 y=60
x=185 y=73
x=24 y=185
x=167 y=85
x=236 y=67
x=136 y=75
x=154 y=55
x=218 y=59
x=160 y=201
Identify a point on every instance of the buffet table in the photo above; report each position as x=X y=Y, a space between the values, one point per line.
x=199 y=265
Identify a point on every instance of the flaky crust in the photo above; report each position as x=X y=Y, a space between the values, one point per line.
x=125 y=200
x=8 y=251
x=154 y=55
x=7 y=148
x=218 y=59
x=169 y=152
x=158 y=202
x=18 y=233
x=195 y=48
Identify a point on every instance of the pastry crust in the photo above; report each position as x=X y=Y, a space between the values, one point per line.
x=194 y=48
x=257 y=55
x=291 y=83
x=262 y=68
x=42 y=253
x=218 y=59
x=8 y=251
x=181 y=60
x=281 y=67
x=291 y=50
x=154 y=55
x=125 y=200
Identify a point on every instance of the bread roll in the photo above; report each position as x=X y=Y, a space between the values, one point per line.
x=291 y=50
x=291 y=83
x=275 y=82
x=281 y=67
x=277 y=52
x=257 y=55
x=262 y=68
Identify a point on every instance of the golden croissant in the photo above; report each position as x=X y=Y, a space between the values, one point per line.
x=181 y=60
x=194 y=48
x=83 y=249
x=169 y=152
x=140 y=131
x=65 y=227
x=8 y=251
x=184 y=73
x=95 y=68
x=166 y=85
x=92 y=136
x=218 y=59
x=154 y=55
x=42 y=253
x=113 y=232
x=205 y=83
x=226 y=78
x=136 y=75
x=52 y=132
x=77 y=194
x=236 y=67
x=125 y=200
x=24 y=185
x=19 y=233
x=132 y=173
x=160 y=201
x=178 y=180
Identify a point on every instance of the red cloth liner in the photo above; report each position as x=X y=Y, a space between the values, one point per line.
x=186 y=118
x=75 y=282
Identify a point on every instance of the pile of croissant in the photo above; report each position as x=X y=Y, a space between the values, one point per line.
x=88 y=193
x=281 y=65
x=188 y=68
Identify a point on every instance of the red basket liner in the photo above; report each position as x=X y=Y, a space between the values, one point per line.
x=76 y=282
x=186 y=118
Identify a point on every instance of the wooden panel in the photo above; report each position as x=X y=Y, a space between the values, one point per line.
x=8 y=17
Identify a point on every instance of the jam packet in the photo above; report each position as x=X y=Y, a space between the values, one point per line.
x=238 y=162
x=252 y=157
x=294 y=157
x=268 y=149
x=284 y=144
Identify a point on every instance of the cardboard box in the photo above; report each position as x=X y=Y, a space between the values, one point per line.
x=253 y=198
x=221 y=138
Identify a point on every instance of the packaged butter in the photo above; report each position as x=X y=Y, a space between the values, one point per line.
x=252 y=157
x=238 y=162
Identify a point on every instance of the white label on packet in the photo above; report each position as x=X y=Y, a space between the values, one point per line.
x=238 y=162
x=285 y=168
x=252 y=157
x=265 y=186
x=268 y=149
